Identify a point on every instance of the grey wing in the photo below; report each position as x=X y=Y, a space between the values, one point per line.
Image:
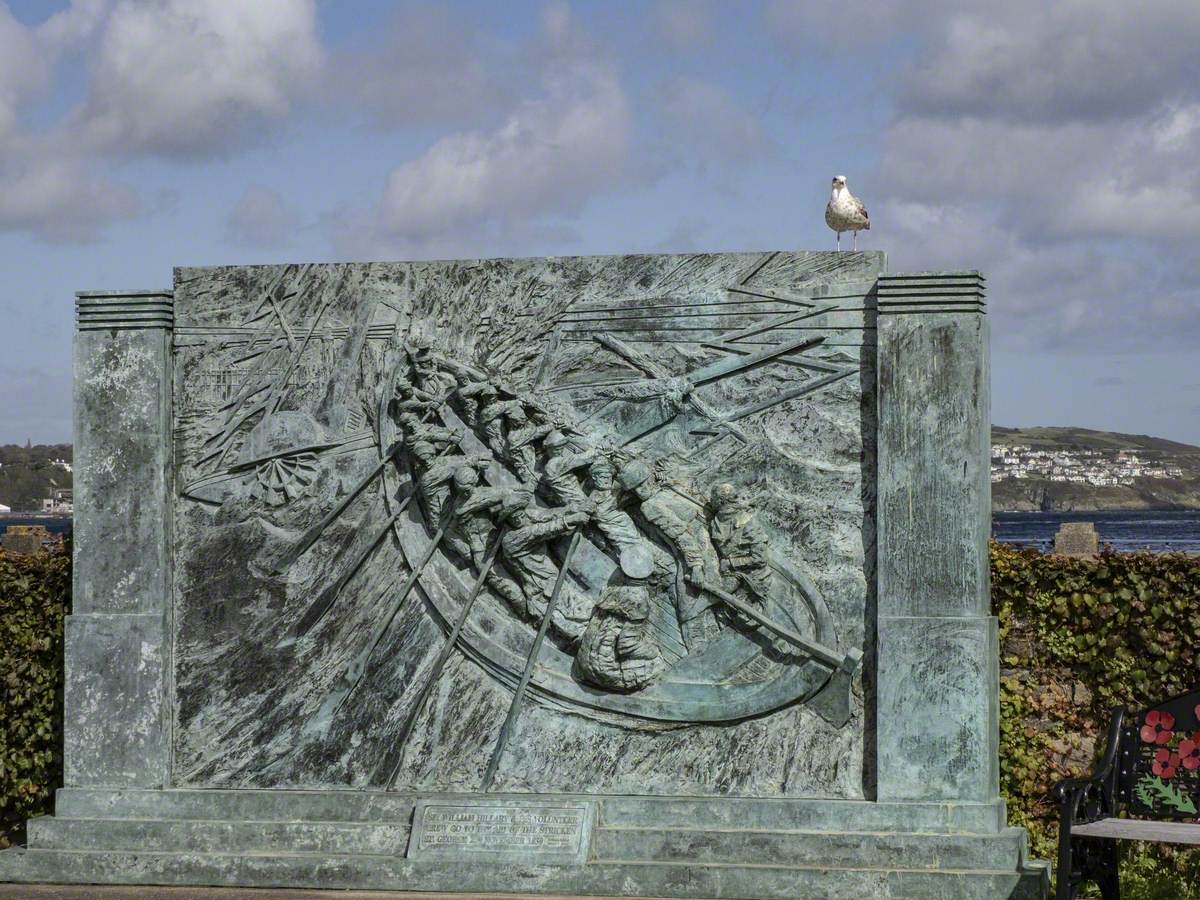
x=862 y=210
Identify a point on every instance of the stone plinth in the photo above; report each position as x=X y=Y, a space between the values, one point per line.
x=25 y=539
x=625 y=576
x=1077 y=539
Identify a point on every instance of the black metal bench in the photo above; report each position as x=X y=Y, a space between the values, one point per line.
x=1150 y=771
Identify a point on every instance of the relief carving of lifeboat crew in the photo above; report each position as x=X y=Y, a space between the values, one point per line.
x=521 y=433
x=614 y=523
x=561 y=467
x=491 y=416
x=428 y=375
x=473 y=513
x=407 y=399
x=741 y=543
x=681 y=521
x=434 y=467
x=476 y=396
x=618 y=650
x=527 y=557
x=677 y=518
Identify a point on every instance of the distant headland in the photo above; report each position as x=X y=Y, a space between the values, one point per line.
x=36 y=478
x=1078 y=469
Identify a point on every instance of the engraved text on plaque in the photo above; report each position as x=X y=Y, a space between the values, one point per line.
x=550 y=832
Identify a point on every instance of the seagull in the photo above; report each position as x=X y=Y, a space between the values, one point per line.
x=845 y=212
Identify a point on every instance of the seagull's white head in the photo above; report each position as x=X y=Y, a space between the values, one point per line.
x=839 y=181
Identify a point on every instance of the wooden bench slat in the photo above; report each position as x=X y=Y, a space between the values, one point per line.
x=1141 y=830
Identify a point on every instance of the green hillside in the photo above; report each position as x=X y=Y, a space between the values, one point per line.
x=1066 y=437
x=1041 y=493
x=27 y=474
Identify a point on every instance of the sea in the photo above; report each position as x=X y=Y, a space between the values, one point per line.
x=1161 y=531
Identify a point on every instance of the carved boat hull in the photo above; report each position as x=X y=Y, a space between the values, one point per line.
x=735 y=676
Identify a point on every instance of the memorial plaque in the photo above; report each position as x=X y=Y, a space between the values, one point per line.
x=491 y=829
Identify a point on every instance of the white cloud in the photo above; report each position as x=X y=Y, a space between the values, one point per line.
x=261 y=219
x=707 y=122
x=23 y=69
x=194 y=77
x=547 y=158
x=1055 y=181
x=46 y=188
x=431 y=67
x=73 y=25
x=61 y=200
x=1075 y=60
x=169 y=77
x=28 y=54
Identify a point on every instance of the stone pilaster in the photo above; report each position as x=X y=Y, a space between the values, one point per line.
x=116 y=637
x=937 y=652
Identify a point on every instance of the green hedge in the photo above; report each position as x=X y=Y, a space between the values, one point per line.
x=35 y=595
x=1079 y=636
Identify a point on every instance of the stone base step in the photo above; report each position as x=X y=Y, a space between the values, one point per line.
x=158 y=892
x=631 y=812
x=610 y=844
x=1004 y=851
x=646 y=879
x=216 y=836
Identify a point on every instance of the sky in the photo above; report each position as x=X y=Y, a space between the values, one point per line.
x=1053 y=146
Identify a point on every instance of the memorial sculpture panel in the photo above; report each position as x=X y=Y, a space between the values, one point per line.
x=636 y=576
x=408 y=470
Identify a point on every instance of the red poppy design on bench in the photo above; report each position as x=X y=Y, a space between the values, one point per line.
x=1165 y=763
x=1157 y=727
x=1189 y=752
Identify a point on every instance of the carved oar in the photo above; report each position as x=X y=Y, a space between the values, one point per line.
x=731 y=366
x=818 y=651
x=350 y=679
x=831 y=699
x=435 y=673
x=310 y=537
x=519 y=694
x=325 y=601
x=723 y=369
x=806 y=388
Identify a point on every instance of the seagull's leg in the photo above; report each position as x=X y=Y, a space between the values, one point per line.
x=839 y=242
x=856 y=241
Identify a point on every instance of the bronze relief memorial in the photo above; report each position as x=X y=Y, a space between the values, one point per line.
x=580 y=459
x=637 y=575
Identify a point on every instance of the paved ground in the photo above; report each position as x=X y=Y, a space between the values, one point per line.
x=97 y=892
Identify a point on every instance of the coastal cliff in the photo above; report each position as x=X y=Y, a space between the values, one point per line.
x=1032 y=495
